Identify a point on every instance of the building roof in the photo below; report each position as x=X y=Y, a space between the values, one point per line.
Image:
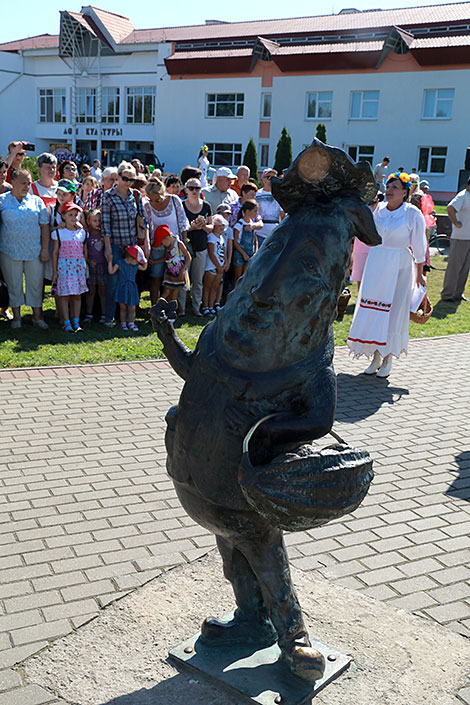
x=365 y=20
x=41 y=41
x=118 y=27
x=340 y=27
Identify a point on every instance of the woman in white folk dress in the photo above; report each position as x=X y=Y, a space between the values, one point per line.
x=380 y=326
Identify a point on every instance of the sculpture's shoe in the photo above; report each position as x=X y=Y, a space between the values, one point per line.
x=304 y=661
x=238 y=631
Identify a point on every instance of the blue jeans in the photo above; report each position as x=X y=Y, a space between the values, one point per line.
x=112 y=285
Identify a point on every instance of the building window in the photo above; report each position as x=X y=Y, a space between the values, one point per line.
x=364 y=105
x=361 y=153
x=225 y=104
x=86 y=105
x=110 y=105
x=264 y=155
x=319 y=105
x=52 y=105
x=266 y=102
x=224 y=154
x=438 y=104
x=141 y=105
x=432 y=160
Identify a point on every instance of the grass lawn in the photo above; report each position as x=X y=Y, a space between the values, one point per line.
x=29 y=347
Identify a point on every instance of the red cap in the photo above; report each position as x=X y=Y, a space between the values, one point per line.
x=160 y=234
x=137 y=253
x=70 y=207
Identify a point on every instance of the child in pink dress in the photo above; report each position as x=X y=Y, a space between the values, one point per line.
x=69 y=266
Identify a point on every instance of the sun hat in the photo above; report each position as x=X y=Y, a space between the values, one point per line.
x=226 y=171
x=137 y=253
x=160 y=234
x=71 y=207
x=269 y=170
x=424 y=183
x=67 y=186
x=219 y=220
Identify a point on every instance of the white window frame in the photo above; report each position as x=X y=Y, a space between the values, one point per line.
x=52 y=94
x=236 y=153
x=236 y=102
x=87 y=98
x=317 y=116
x=363 y=101
x=430 y=157
x=361 y=155
x=107 y=93
x=146 y=94
x=436 y=101
x=262 y=111
x=263 y=163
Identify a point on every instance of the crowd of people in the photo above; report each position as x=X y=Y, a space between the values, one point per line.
x=100 y=237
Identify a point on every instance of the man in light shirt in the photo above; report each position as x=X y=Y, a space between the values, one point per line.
x=270 y=211
x=458 y=264
x=96 y=170
x=220 y=192
x=380 y=173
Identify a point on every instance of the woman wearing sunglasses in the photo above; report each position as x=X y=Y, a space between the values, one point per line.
x=122 y=220
x=199 y=214
x=163 y=208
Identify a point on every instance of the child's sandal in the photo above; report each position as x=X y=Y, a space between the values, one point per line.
x=132 y=326
x=102 y=319
x=217 y=306
x=88 y=318
x=205 y=311
x=76 y=325
x=124 y=325
x=68 y=327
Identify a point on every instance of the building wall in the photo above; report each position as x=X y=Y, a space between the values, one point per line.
x=181 y=125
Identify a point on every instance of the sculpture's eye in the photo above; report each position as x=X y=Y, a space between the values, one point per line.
x=273 y=246
x=310 y=265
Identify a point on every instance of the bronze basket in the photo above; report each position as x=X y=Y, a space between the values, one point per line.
x=424 y=312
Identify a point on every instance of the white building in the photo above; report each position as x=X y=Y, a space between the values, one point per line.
x=389 y=83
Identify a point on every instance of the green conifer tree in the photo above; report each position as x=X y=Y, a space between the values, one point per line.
x=283 y=158
x=250 y=159
x=321 y=132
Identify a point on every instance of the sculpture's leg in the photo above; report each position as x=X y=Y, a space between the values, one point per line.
x=268 y=560
x=251 y=623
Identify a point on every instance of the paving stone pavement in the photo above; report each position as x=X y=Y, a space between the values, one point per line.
x=88 y=513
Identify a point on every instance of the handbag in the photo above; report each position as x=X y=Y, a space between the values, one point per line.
x=139 y=221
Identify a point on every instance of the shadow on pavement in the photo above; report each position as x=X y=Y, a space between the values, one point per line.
x=460 y=487
x=360 y=396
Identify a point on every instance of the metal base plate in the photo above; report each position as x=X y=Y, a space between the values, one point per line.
x=256 y=674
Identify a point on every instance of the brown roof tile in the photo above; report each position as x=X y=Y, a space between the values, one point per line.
x=370 y=19
x=119 y=27
x=41 y=41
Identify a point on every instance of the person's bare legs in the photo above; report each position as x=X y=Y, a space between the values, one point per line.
x=237 y=273
x=102 y=295
x=155 y=288
x=123 y=313
x=131 y=314
x=90 y=298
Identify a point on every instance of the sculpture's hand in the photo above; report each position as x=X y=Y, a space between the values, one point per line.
x=163 y=311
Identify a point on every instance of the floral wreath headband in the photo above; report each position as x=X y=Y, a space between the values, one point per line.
x=403 y=176
x=204 y=148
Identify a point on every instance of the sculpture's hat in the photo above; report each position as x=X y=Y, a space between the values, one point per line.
x=323 y=172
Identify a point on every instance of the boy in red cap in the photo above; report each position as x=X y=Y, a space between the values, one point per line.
x=177 y=262
x=127 y=293
x=69 y=266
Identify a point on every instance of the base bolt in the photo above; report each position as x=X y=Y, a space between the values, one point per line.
x=188 y=649
x=331 y=657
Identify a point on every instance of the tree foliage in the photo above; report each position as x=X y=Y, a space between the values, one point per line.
x=283 y=158
x=321 y=132
x=250 y=159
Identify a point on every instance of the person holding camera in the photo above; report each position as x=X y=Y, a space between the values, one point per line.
x=16 y=154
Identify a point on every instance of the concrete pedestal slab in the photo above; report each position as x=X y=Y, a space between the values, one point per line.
x=121 y=656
